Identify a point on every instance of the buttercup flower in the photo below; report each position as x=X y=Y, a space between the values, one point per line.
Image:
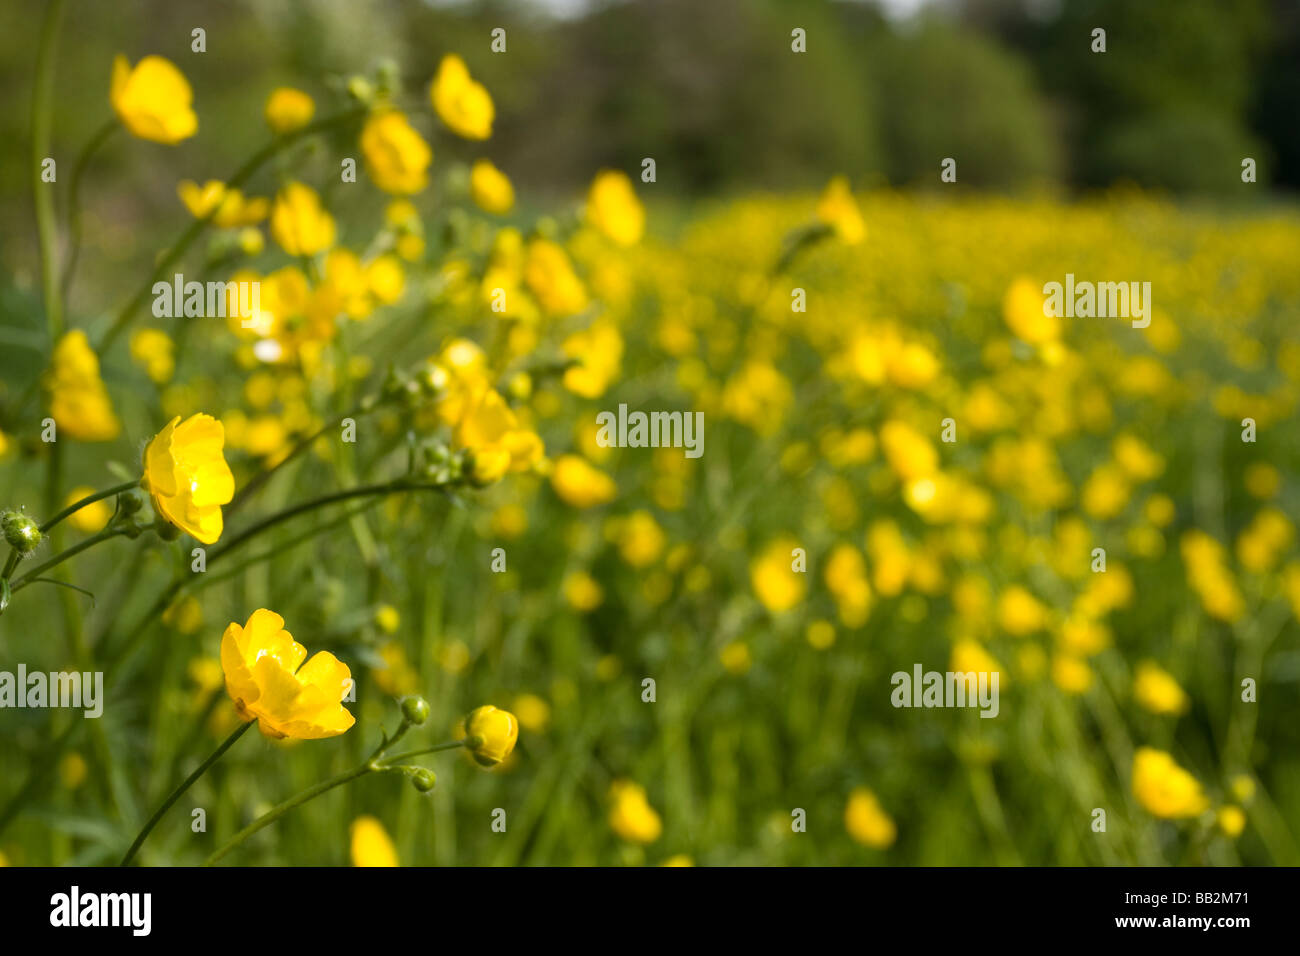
x=490 y=188
x=1164 y=788
x=1157 y=691
x=778 y=586
x=186 y=476
x=495 y=439
x=153 y=100
x=463 y=104
x=154 y=350
x=288 y=109
x=494 y=730
x=397 y=157
x=613 y=208
x=550 y=276
x=79 y=402
x=371 y=845
x=866 y=820
x=580 y=484
x=299 y=223
x=631 y=817
x=839 y=210
x=269 y=683
x=233 y=210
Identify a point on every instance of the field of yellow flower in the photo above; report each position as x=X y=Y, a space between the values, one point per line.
x=376 y=498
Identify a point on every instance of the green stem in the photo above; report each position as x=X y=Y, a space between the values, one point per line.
x=277 y=812
x=65 y=554
x=185 y=785
x=88 y=500
x=451 y=745
x=102 y=135
x=42 y=192
x=195 y=229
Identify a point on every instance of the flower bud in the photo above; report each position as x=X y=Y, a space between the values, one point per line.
x=22 y=533
x=491 y=734
x=423 y=780
x=415 y=710
x=130 y=502
x=166 y=530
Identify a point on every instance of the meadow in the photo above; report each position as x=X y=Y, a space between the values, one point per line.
x=906 y=461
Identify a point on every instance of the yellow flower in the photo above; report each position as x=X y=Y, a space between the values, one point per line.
x=1157 y=691
x=908 y=452
x=1022 y=308
x=970 y=657
x=490 y=188
x=386 y=278
x=497 y=443
x=288 y=109
x=93 y=516
x=640 y=539
x=387 y=618
x=599 y=349
x=186 y=476
x=491 y=733
x=1164 y=788
x=1071 y=674
x=233 y=210
x=773 y=579
x=580 y=484
x=534 y=713
x=73 y=770
x=371 y=845
x=153 y=100
x=397 y=157
x=613 y=208
x=867 y=821
x=79 y=402
x=152 y=349
x=582 y=591
x=631 y=817
x=463 y=104
x=1231 y=820
x=299 y=223
x=837 y=209
x=269 y=683
x=680 y=859
x=1019 y=612
x=551 y=278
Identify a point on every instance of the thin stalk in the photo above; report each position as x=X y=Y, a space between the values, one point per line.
x=43 y=192
x=185 y=785
x=65 y=554
x=102 y=136
x=88 y=500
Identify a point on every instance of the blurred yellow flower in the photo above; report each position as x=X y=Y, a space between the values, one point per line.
x=681 y=859
x=288 y=109
x=497 y=443
x=299 y=223
x=866 y=820
x=580 y=484
x=1071 y=674
x=73 y=771
x=631 y=817
x=838 y=209
x=187 y=476
x=397 y=157
x=153 y=350
x=735 y=657
x=533 y=712
x=1164 y=788
x=550 y=277
x=614 y=209
x=269 y=683
x=79 y=403
x=640 y=539
x=1019 y=612
x=582 y=591
x=1156 y=690
x=461 y=102
x=93 y=516
x=371 y=845
x=490 y=188
x=1231 y=820
x=775 y=582
x=1022 y=308
x=232 y=209
x=492 y=733
x=152 y=99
